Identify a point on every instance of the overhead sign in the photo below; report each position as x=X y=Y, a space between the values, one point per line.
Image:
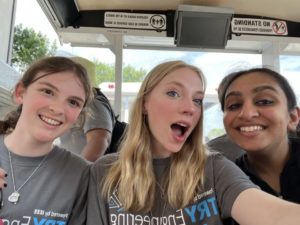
x=259 y=26
x=135 y=20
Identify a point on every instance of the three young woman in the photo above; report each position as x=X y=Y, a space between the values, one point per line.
x=162 y=175
x=44 y=183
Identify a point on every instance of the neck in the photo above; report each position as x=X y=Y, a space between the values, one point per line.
x=270 y=161
x=269 y=166
x=26 y=146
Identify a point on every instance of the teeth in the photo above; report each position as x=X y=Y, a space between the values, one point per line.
x=182 y=124
x=251 y=128
x=50 y=121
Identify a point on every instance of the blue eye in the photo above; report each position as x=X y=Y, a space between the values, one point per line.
x=198 y=101
x=172 y=94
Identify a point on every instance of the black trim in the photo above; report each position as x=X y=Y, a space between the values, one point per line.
x=95 y=18
x=65 y=11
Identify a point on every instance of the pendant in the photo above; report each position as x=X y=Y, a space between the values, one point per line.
x=14 y=197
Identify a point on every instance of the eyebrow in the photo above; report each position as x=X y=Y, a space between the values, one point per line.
x=255 y=90
x=181 y=85
x=264 y=87
x=55 y=88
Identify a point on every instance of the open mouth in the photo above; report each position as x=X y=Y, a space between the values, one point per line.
x=50 y=121
x=179 y=129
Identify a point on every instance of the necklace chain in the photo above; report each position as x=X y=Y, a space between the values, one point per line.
x=14 y=197
x=162 y=194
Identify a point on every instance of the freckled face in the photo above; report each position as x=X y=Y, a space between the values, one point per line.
x=51 y=105
x=256 y=116
x=173 y=109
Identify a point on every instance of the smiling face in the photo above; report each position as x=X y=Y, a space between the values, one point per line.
x=256 y=115
x=173 y=109
x=50 y=105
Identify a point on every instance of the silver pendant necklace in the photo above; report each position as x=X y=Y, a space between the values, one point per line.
x=14 y=197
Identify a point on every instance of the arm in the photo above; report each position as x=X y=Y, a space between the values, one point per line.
x=255 y=207
x=97 y=142
x=97 y=128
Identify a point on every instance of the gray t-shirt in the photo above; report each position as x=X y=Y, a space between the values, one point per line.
x=98 y=116
x=224 y=145
x=224 y=181
x=55 y=194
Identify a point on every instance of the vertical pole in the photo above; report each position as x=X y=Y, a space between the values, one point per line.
x=271 y=56
x=118 y=75
x=7 y=22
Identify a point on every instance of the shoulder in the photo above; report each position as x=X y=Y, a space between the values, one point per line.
x=295 y=142
x=96 y=106
x=224 y=145
x=99 y=116
x=63 y=156
x=98 y=101
x=103 y=164
x=295 y=147
x=105 y=161
x=219 y=167
x=216 y=158
x=215 y=163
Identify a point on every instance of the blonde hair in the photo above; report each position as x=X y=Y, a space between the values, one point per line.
x=132 y=174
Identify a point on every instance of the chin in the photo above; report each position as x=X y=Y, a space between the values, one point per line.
x=251 y=148
x=45 y=138
x=175 y=149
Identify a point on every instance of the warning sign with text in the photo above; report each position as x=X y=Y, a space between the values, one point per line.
x=135 y=20
x=259 y=26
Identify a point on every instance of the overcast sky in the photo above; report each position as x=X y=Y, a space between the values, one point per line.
x=214 y=65
x=30 y=14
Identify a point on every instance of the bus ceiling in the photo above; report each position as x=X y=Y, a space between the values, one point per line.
x=205 y=25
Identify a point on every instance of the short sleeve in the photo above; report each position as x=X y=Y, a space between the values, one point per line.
x=98 y=116
x=97 y=205
x=229 y=181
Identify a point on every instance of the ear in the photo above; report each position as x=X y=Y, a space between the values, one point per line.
x=18 y=93
x=294 y=119
x=145 y=110
x=145 y=107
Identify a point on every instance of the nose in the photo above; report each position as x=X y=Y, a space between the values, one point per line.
x=56 y=107
x=248 y=111
x=188 y=106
